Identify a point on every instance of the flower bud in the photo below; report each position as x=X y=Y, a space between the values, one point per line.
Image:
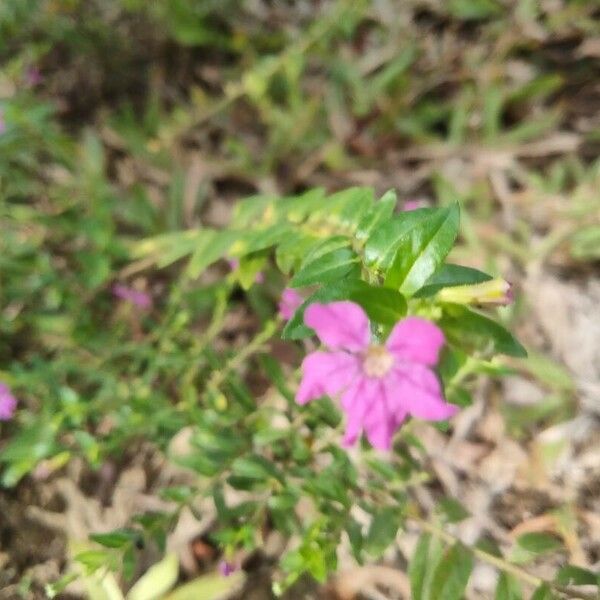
x=495 y=292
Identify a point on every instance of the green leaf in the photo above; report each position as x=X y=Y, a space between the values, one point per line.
x=508 y=588
x=251 y=209
x=381 y=305
x=209 y=587
x=452 y=574
x=250 y=267
x=259 y=239
x=544 y=592
x=255 y=467
x=210 y=247
x=539 y=542
x=573 y=575
x=376 y=215
x=382 y=531
x=346 y=207
x=292 y=251
x=531 y=545
x=453 y=510
x=473 y=10
x=450 y=275
x=157 y=580
x=385 y=238
x=469 y=329
x=115 y=539
x=93 y=560
x=417 y=568
x=423 y=249
x=297 y=208
x=333 y=266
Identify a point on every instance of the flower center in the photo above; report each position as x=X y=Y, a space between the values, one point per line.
x=377 y=361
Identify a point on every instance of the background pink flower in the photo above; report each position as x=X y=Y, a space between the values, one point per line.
x=8 y=403
x=414 y=204
x=379 y=385
x=290 y=302
x=137 y=298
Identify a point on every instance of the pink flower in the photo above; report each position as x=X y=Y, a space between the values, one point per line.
x=2 y=121
x=137 y=298
x=290 y=301
x=414 y=204
x=226 y=568
x=379 y=385
x=8 y=403
x=33 y=76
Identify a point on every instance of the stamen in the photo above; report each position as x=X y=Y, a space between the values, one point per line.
x=377 y=361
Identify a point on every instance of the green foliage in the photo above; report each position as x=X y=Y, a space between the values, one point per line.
x=95 y=376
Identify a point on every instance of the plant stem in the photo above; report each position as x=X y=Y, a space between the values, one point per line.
x=218 y=377
x=504 y=565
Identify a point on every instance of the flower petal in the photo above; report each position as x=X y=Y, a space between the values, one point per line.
x=418 y=391
x=326 y=373
x=416 y=340
x=367 y=406
x=355 y=405
x=339 y=325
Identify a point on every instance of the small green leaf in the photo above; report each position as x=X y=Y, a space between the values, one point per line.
x=333 y=266
x=115 y=539
x=382 y=305
x=258 y=239
x=539 y=542
x=453 y=510
x=376 y=215
x=210 y=247
x=209 y=587
x=348 y=206
x=255 y=467
x=385 y=237
x=93 y=560
x=544 y=592
x=157 y=580
x=382 y=531
x=508 y=588
x=573 y=575
x=469 y=329
x=418 y=567
x=449 y=275
x=423 y=249
x=452 y=574
x=473 y=10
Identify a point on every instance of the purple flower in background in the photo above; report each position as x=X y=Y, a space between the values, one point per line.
x=33 y=77
x=379 y=385
x=226 y=568
x=8 y=403
x=2 y=121
x=137 y=298
x=290 y=301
